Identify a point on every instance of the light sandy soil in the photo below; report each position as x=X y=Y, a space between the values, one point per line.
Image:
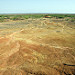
x=37 y=47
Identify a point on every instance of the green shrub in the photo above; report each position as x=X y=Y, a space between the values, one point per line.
x=1 y=19
x=67 y=19
x=72 y=20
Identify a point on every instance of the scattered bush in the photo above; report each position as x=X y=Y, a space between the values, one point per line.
x=67 y=19
x=72 y=20
x=22 y=17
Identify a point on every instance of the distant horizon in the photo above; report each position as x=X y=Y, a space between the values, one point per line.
x=32 y=13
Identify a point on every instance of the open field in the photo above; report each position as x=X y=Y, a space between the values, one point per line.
x=37 y=44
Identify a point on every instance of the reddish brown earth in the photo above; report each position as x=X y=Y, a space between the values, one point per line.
x=37 y=51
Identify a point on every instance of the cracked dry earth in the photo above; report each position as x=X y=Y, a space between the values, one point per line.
x=38 y=51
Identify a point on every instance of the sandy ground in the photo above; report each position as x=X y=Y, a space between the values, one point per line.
x=37 y=47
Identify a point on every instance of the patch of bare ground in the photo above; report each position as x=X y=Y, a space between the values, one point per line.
x=38 y=51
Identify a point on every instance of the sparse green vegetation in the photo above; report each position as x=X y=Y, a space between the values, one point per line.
x=27 y=16
x=67 y=19
x=72 y=20
x=1 y=19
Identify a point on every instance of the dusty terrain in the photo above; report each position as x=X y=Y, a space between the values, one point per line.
x=37 y=47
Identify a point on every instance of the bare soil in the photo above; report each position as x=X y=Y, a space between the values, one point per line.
x=37 y=47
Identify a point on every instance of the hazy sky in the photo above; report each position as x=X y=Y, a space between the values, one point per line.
x=37 y=6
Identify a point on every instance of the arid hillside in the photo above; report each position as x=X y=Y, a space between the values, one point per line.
x=40 y=46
